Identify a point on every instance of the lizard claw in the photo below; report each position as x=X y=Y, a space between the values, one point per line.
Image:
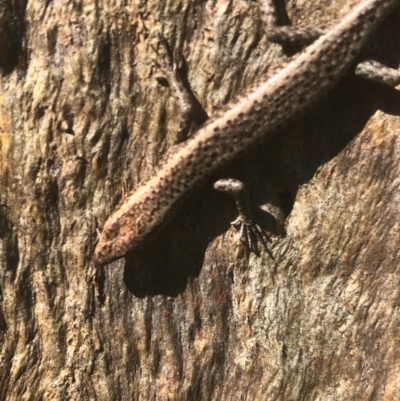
x=167 y=61
x=251 y=235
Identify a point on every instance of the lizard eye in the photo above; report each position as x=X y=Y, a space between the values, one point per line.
x=113 y=228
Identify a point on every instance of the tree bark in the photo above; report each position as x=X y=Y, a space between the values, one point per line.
x=83 y=120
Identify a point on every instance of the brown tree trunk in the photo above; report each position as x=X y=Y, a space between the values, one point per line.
x=83 y=120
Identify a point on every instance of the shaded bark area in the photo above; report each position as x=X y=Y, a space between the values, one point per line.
x=83 y=120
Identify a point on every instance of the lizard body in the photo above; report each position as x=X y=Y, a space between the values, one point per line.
x=266 y=108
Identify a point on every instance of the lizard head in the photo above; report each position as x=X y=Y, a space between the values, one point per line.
x=136 y=218
x=113 y=244
x=122 y=232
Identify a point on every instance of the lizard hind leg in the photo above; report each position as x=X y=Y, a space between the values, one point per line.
x=250 y=233
x=285 y=35
x=302 y=36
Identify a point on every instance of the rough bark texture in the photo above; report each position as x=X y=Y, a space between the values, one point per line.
x=83 y=119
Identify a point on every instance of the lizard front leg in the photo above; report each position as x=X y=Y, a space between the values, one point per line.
x=377 y=72
x=170 y=64
x=251 y=234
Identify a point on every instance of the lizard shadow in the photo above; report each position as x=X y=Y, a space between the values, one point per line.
x=176 y=253
x=273 y=172
x=291 y=160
